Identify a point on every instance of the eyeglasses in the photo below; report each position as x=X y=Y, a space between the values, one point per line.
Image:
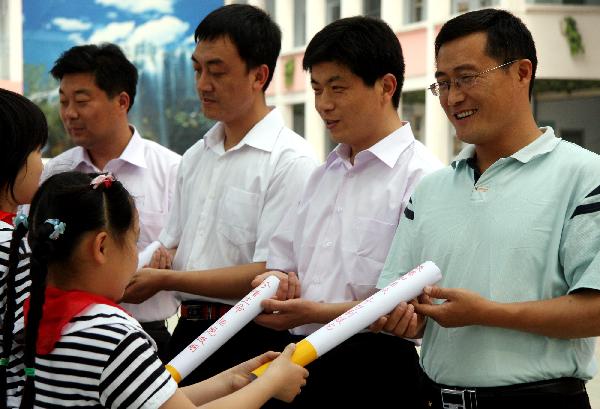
x=441 y=88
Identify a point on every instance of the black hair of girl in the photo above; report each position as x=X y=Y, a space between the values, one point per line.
x=23 y=130
x=70 y=198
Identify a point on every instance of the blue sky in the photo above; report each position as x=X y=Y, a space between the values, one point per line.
x=52 y=26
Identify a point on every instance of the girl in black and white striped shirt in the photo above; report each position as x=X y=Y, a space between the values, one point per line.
x=82 y=349
x=23 y=133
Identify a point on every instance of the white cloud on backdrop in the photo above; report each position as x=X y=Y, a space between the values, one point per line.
x=71 y=24
x=162 y=31
x=137 y=6
x=112 y=32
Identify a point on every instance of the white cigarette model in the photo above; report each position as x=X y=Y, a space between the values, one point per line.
x=220 y=332
x=145 y=256
x=404 y=289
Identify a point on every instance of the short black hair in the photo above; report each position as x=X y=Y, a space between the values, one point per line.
x=256 y=36
x=23 y=130
x=507 y=36
x=366 y=45
x=113 y=72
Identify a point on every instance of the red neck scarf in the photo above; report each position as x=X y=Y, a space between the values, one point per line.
x=7 y=217
x=59 y=308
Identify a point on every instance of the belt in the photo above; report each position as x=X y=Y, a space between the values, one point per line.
x=154 y=325
x=200 y=310
x=453 y=397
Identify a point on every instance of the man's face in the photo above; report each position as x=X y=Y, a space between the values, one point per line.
x=481 y=112
x=346 y=104
x=225 y=86
x=88 y=114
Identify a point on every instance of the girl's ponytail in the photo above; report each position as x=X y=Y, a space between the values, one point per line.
x=10 y=310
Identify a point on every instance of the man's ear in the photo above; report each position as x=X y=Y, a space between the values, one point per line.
x=525 y=72
x=261 y=75
x=99 y=247
x=124 y=101
x=389 y=85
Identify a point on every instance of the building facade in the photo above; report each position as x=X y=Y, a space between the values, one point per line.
x=11 y=45
x=567 y=92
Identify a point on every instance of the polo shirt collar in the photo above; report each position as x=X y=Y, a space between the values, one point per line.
x=387 y=150
x=543 y=144
x=133 y=153
x=262 y=135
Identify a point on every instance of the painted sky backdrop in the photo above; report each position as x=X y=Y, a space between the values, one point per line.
x=52 y=26
x=156 y=35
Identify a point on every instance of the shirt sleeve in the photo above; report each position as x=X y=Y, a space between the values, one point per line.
x=134 y=376
x=580 y=244
x=401 y=257
x=281 y=246
x=171 y=232
x=284 y=192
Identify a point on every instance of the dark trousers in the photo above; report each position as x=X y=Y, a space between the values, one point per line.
x=159 y=333
x=250 y=341
x=366 y=371
x=544 y=396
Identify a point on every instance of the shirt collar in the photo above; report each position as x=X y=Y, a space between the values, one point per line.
x=263 y=134
x=133 y=153
x=543 y=144
x=387 y=150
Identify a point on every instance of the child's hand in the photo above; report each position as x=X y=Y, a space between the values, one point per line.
x=286 y=376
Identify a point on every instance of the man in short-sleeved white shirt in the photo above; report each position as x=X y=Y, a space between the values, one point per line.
x=97 y=89
x=233 y=187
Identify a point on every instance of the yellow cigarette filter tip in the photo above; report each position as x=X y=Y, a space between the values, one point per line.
x=303 y=355
x=174 y=373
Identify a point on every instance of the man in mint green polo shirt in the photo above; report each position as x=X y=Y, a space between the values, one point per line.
x=514 y=225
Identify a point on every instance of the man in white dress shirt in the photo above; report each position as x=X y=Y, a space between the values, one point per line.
x=338 y=236
x=233 y=187
x=97 y=89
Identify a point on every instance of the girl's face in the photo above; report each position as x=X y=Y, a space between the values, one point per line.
x=28 y=178
x=124 y=260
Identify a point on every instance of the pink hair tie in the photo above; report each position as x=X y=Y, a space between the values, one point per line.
x=105 y=179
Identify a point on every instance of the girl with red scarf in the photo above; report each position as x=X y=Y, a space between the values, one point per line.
x=81 y=348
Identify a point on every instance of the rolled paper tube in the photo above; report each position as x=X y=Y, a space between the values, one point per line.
x=217 y=334
x=145 y=256
x=404 y=289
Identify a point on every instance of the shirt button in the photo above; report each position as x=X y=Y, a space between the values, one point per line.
x=328 y=244
x=339 y=209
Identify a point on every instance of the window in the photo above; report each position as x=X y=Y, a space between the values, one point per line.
x=462 y=6
x=415 y=11
x=270 y=8
x=579 y=2
x=299 y=23
x=298 y=119
x=332 y=11
x=4 y=43
x=372 y=8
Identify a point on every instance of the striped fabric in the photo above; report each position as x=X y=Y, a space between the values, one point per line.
x=103 y=359
x=15 y=373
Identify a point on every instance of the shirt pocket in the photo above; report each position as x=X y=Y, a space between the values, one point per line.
x=372 y=238
x=238 y=215
x=369 y=246
x=151 y=224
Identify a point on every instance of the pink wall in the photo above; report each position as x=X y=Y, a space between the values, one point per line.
x=12 y=86
x=298 y=83
x=414 y=48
